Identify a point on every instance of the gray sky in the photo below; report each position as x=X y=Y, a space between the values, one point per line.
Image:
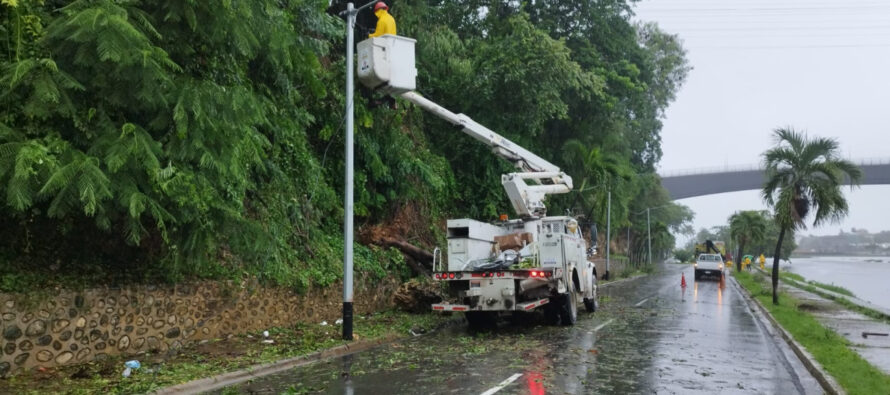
x=818 y=65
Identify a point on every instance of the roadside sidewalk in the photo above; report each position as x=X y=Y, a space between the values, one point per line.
x=852 y=325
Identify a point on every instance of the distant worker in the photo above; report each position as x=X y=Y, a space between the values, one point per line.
x=386 y=24
x=762 y=261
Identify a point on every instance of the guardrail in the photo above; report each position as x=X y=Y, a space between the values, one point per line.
x=754 y=167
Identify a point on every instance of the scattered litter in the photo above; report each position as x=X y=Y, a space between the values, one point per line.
x=130 y=366
x=265 y=333
x=411 y=331
x=324 y=323
x=339 y=321
x=249 y=336
x=268 y=341
x=865 y=335
x=593 y=351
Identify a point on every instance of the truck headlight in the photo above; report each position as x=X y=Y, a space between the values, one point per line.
x=720 y=266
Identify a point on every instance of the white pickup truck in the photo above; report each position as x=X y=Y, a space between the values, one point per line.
x=708 y=264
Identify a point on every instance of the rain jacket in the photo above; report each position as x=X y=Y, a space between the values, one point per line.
x=385 y=24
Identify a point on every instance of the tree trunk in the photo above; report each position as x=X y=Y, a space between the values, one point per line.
x=423 y=257
x=739 y=259
x=776 y=266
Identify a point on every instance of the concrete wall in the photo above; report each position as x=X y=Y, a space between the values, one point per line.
x=77 y=327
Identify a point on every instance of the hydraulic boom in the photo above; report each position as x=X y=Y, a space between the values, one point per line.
x=387 y=63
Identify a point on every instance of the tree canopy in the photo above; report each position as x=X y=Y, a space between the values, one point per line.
x=162 y=140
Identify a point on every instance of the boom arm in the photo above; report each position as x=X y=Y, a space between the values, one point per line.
x=387 y=62
x=527 y=200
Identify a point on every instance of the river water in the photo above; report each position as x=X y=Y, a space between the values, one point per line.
x=867 y=277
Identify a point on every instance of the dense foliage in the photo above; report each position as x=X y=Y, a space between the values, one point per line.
x=747 y=227
x=155 y=140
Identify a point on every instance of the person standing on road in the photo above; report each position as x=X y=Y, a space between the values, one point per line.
x=386 y=24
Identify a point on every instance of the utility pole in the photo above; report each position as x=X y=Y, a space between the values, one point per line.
x=350 y=13
x=649 y=235
x=608 y=231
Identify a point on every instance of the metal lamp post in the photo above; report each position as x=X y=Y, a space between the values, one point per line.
x=350 y=13
x=608 y=232
x=648 y=228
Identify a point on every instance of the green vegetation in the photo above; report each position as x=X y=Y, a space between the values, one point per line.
x=156 y=141
x=831 y=350
x=216 y=357
x=765 y=246
x=804 y=174
x=747 y=227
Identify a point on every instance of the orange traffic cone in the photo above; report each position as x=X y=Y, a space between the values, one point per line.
x=682 y=280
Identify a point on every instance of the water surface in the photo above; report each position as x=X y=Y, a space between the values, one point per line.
x=867 y=277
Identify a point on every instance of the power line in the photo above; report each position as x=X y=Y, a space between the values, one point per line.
x=771 y=47
x=779 y=28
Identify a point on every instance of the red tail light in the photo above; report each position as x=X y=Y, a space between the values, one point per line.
x=549 y=274
x=534 y=274
x=438 y=276
x=451 y=275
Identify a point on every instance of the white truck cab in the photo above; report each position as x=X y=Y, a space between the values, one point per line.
x=708 y=265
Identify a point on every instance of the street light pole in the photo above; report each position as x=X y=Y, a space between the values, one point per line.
x=608 y=232
x=348 y=198
x=348 y=233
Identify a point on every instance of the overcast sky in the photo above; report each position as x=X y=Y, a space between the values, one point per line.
x=818 y=65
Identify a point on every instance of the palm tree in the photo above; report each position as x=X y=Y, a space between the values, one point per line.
x=804 y=174
x=745 y=227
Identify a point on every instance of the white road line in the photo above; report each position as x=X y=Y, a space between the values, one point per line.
x=641 y=302
x=602 y=325
x=503 y=384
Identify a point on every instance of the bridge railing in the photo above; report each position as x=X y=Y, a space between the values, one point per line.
x=754 y=167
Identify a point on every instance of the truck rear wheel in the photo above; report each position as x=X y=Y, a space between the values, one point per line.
x=481 y=319
x=551 y=312
x=590 y=305
x=568 y=312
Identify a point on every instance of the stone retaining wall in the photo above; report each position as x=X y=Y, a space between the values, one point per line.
x=616 y=266
x=77 y=327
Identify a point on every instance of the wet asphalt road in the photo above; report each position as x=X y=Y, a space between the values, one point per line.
x=649 y=336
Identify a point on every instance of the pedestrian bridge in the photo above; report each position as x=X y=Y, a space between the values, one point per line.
x=708 y=181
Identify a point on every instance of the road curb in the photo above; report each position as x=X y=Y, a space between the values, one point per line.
x=252 y=372
x=598 y=285
x=828 y=383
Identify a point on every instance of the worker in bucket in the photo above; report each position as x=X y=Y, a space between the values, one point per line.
x=386 y=24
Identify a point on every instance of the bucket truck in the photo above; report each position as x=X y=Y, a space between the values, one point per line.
x=519 y=265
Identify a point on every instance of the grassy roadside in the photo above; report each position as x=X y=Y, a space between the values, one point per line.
x=212 y=358
x=831 y=350
x=816 y=288
x=830 y=287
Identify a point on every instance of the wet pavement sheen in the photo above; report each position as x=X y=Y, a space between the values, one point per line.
x=649 y=336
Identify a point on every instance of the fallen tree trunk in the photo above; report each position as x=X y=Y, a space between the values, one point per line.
x=421 y=261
